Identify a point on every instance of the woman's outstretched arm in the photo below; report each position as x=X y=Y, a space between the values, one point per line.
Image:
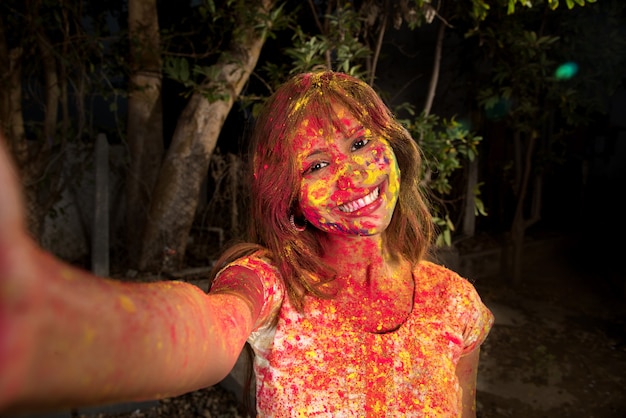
x=68 y=338
x=466 y=372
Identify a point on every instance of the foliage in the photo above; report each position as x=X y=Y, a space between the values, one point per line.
x=536 y=75
x=88 y=60
x=530 y=76
x=593 y=42
x=194 y=41
x=341 y=43
x=482 y=8
x=446 y=145
x=334 y=34
x=522 y=71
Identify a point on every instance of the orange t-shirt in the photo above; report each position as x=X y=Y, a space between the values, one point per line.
x=318 y=363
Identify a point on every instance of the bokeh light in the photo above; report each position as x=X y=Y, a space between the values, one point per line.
x=465 y=124
x=499 y=110
x=566 y=71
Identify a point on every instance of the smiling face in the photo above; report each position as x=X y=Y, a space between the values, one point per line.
x=350 y=178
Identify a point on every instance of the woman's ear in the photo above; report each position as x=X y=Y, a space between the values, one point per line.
x=297 y=219
x=297 y=210
x=298 y=214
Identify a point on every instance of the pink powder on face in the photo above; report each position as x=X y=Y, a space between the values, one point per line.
x=346 y=175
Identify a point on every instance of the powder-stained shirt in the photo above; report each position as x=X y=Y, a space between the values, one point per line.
x=317 y=363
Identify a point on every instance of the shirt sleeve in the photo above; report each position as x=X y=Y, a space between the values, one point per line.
x=272 y=294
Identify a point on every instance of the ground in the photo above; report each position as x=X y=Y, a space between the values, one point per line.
x=557 y=349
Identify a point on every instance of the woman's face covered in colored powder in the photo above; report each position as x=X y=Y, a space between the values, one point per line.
x=349 y=177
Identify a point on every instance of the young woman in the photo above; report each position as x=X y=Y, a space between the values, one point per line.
x=343 y=312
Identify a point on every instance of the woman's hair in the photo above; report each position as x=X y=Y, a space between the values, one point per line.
x=276 y=180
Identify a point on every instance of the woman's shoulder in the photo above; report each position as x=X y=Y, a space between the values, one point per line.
x=429 y=274
x=430 y=269
x=437 y=285
x=259 y=262
x=256 y=270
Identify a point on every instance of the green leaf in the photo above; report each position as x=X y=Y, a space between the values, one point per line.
x=447 y=237
x=553 y=4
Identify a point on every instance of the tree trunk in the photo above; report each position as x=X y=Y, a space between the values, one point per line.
x=11 y=119
x=520 y=223
x=40 y=199
x=186 y=163
x=30 y=162
x=379 y=43
x=53 y=92
x=469 y=215
x=145 y=119
x=434 y=76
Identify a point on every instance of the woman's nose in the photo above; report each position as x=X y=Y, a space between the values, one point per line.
x=350 y=176
x=344 y=182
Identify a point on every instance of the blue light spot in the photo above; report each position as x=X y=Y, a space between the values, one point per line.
x=566 y=71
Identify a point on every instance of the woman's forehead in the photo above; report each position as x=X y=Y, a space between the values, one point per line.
x=338 y=120
x=312 y=135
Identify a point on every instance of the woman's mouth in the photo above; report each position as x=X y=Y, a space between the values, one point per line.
x=360 y=203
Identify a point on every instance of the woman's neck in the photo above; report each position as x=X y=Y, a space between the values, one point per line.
x=375 y=292
x=358 y=257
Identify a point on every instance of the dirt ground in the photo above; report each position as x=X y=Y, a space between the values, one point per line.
x=557 y=349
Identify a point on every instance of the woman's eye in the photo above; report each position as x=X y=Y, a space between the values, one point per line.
x=316 y=166
x=359 y=143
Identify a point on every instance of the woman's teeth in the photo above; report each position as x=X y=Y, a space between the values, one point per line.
x=360 y=203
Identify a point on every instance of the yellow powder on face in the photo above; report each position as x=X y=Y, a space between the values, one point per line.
x=358 y=159
x=318 y=192
x=372 y=177
x=127 y=304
